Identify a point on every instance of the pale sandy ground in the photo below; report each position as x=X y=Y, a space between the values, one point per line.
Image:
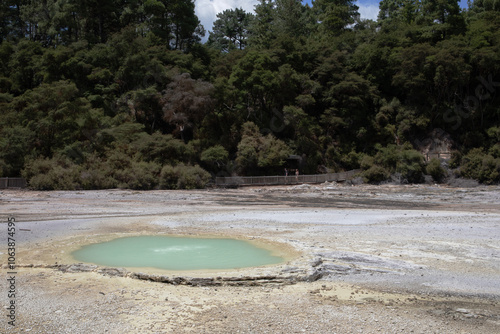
x=395 y=259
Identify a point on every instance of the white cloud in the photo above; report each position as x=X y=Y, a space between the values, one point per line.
x=207 y=10
x=368 y=11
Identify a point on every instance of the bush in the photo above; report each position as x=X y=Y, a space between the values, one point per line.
x=351 y=160
x=97 y=174
x=192 y=177
x=376 y=174
x=183 y=177
x=215 y=156
x=168 y=177
x=141 y=176
x=456 y=158
x=480 y=166
x=257 y=151
x=411 y=166
x=162 y=149
x=495 y=151
x=435 y=170
x=119 y=171
x=401 y=160
x=388 y=157
x=367 y=162
x=52 y=174
x=96 y=178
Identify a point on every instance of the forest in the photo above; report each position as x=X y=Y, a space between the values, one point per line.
x=124 y=93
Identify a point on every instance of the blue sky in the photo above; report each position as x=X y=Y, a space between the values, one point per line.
x=207 y=10
x=370 y=6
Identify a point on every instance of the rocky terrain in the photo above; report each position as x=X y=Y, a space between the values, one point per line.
x=360 y=259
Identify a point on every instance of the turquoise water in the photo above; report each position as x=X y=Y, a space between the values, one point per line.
x=176 y=253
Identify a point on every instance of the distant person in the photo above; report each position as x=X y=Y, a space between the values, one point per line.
x=286 y=172
x=297 y=174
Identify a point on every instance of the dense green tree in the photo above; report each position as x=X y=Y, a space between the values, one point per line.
x=398 y=10
x=113 y=93
x=25 y=66
x=262 y=29
x=185 y=103
x=11 y=23
x=230 y=30
x=256 y=151
x=335 y=15
x=215 y=156
x=485 y=5
x=186 y=26
x=441 y=18
x=292 y=18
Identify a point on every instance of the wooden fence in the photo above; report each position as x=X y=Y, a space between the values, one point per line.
x=235 y=181
x=12 y=182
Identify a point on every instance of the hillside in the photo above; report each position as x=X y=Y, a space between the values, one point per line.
x=123 y=94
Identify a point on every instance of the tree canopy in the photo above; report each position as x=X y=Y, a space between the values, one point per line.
x=98 y=94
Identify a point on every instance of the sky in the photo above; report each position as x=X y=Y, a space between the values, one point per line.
x=207 y=10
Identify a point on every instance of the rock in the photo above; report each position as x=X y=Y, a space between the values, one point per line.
x=316 y=262
x=338 y=269
x=78 y=267
x=120 y=272
x=314 y=275
x=203 y=281
x=289 y=269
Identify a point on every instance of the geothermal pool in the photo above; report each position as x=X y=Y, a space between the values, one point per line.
x=176 y=253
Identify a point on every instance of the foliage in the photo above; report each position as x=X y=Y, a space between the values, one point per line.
x=183 y=177
x=335 y=15
x=481 y=166
x=185 y=103
x=258 y=151
x=231 y=30
x=376 y=174
x=401 y=160
x=215 y=156
x=51 y=174
x=435 y=170
x=105 y=94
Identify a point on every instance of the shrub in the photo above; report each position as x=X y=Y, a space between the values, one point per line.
x=388 y=156
x=495 y=151
x=366 y=162
x=494 y=133
x=138 y=175
x=435 y=170
x=183 y=177
x=161 y=149
x=456 y=158
x=215 y=155
x=401 y=160
x=351 y=160
x=481 y=166
x=97 y=174
x=168 y=178
x=143 y=176
x=192 y=177
x=256 y=150
x=96 y=178
x=376 y=174
x=411 y=166
x=52 y=174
